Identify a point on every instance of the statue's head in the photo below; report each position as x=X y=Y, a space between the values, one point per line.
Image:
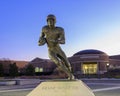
x=51 y=16
x=51 y=20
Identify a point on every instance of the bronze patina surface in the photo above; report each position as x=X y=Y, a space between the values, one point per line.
x=53 y=36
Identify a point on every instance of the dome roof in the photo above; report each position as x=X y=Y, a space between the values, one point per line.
x=89 y=51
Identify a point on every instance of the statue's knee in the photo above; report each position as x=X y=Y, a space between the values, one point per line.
x=56 y=62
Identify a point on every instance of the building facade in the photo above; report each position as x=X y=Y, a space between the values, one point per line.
x=43 y=65
x=89 y=62
x=85 y=62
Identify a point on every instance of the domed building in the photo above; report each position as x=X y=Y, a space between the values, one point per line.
x=90 y=62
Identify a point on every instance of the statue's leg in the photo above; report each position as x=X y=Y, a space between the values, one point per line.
x=66 y=63
x=63 y=58
x=56 y=60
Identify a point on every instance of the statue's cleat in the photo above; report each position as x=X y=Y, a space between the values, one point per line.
x=71 y=77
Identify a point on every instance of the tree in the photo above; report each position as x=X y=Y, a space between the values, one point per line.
x=30 y=70
x=1 y=69
x=13 y=70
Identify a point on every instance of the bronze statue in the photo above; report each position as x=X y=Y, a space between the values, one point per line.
x=53 y=36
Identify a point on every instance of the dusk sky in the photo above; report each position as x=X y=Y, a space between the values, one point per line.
x=88 y=24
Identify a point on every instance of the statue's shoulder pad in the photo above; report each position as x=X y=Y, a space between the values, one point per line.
x=45 y=27
x=60 y=28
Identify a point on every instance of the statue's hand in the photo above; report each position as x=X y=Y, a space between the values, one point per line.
x=61 y=41
x=42 y=41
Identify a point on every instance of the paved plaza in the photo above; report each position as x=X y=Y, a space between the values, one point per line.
x=100 y=89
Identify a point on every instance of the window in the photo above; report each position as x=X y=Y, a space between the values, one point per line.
x=37 y=69
x=41 y=69
x=89 y=68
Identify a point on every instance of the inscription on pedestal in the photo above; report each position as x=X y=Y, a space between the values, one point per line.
x=60 y=87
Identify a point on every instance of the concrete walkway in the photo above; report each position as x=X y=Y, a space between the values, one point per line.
x=17 y=87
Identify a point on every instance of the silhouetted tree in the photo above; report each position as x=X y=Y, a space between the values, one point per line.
x=1 y=69
x=30 y=70
x=13 y=70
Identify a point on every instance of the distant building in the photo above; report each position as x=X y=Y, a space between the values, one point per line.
x=20 y=64
x=114 y=61
x=89 y=62
x=83 y=62
x=43 y=65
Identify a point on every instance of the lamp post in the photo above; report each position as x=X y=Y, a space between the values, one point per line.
x=107 y=66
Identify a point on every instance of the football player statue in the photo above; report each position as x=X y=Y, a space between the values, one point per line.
x=53 y=36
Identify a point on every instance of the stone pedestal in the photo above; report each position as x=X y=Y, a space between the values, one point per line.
x=62 y=88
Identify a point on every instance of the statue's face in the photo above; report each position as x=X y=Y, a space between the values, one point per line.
x=50 y=22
